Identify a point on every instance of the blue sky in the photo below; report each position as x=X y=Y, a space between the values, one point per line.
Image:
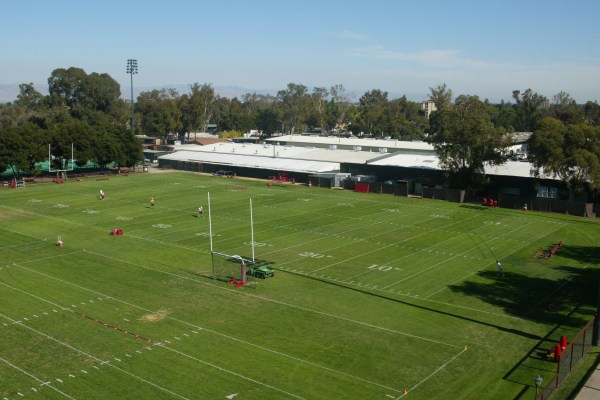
x=480 y=47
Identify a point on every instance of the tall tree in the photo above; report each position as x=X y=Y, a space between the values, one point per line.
x=267 y=121
x=201 y=106
x=341 y=101
x=29 y=97
x=319 y=104
x=293 y=102
x=530 y=109
x=468 y=141
x=441 y=95
x=11 y=149
x=372 y=106
x=159 y=113
x=570 y=152
x=591 y=111
x=79 y=92
x=565 y=108
x=70 y=135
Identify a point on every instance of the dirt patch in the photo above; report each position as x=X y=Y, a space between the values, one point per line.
x=155 y=317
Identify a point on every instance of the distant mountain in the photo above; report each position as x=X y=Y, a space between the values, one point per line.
x=9 y=92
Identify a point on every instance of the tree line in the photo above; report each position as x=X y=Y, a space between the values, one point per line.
x=466 y=132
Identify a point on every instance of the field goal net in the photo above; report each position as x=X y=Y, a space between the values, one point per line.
x=231 y=268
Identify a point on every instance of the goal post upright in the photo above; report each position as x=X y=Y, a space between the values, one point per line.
x=217 y=258
x=67 y=166
x=251 y=230
x=210 y=225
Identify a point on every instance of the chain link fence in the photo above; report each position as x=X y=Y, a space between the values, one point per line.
x=574 y=352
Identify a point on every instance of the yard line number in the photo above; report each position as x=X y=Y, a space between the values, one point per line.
x=312 y=255
x=384 y=268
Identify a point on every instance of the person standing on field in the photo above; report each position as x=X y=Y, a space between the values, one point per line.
x=500 y=270
x=200 y=211
x=152 y=202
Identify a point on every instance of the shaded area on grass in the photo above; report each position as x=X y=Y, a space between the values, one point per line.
x=421 y=307
x=534 y=298
x=582 y=254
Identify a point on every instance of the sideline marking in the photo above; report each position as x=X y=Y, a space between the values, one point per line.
x=432 y=374
x=95 y=358
x=42 y=383
x=199 y=328
x=228 y=371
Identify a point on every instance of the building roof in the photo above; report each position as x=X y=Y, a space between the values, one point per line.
x=283 y=151
x=310 y=159
x=249 y=155
x=391 y=144
x=510 y=168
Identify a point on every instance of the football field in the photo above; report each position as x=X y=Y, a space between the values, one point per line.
x=373 y=296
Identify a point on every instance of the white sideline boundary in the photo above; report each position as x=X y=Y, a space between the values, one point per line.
x=148 y=239
x=286 y=248
x=200 y=328
x=432 y=374
x=505 y=255
x=230 y=372
x=254 y=296
x=20 y=323
x=442 y=262
x=36 y=378
x=279 y=302
x=203 y=329
x=392 y=244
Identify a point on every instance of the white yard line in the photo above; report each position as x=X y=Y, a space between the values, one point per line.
x=432 y=374
x=275 y=301
x=254 y=296
x=21 y=233
x=35 y=297
x=507 y=254
x=229 y=371
x=36 y=378
x=444 y=261
x=393 y=244
x=216 y=333
x=21 y=324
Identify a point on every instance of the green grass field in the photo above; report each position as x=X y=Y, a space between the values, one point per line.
x=374 y=296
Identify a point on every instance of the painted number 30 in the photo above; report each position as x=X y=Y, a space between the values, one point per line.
x=311 y=254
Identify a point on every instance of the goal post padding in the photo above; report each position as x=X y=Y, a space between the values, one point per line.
x=227 y=267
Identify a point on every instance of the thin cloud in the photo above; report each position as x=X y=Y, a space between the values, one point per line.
x=346 y=34
x=430 y=58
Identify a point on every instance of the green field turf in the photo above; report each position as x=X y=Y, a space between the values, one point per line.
x=374 y=296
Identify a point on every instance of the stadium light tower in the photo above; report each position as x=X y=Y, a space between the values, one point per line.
x=132 y=69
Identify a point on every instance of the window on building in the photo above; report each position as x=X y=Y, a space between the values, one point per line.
x=547 y=192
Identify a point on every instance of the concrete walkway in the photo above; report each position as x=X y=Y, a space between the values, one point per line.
x=591 y=390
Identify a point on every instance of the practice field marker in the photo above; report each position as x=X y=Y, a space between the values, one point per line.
x=42 y=383
x=96 y=359
x=198 y=328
